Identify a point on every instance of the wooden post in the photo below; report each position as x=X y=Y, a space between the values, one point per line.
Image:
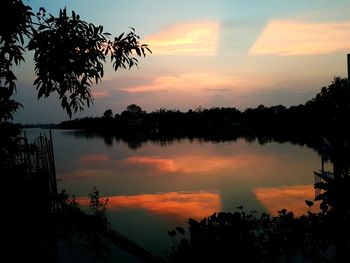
x=349 y=70
x=53 y=173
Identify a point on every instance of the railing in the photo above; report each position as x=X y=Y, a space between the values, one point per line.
x=37 y=158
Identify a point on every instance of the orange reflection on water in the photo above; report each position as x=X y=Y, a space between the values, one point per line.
x=155 y=162
x=291 y=198
x=229 y=164
x=179 y=205
x=192 y=164
x=200 y=163
x=91 y=158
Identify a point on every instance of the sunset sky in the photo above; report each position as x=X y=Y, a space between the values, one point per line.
x=223 y=53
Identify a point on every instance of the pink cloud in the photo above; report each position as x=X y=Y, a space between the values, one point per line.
x=100 y=93
x=188 y=82
x=191 y=38
x=288 y=38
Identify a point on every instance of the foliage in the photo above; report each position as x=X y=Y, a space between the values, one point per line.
x=133 y=108
x=8 y=106
x=97 y=205
x=69 y=56
x=83 y=230
x=244 y=237
x=9 y=145
x=68 y=53
x=13 y=29
x=108 y=113
x=333 y=102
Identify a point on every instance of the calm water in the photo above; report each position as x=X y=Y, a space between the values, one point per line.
x=158 y=186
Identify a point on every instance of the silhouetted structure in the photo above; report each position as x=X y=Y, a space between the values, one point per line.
x=332 y=186
x=38 y=160
x=35 y=179
x=349 y=70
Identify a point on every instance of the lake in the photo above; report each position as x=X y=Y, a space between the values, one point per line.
x=155 y=186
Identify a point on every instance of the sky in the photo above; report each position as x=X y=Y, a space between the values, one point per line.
x=206 y=53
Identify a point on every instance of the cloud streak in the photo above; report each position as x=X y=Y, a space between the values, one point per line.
x=185 y=82
x=170 y=204
x=100 y=94
x=157 y=163
x=191 y=38
x=289 y=38
x=188 y=163
x=291 y=198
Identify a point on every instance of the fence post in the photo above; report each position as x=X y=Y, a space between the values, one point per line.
x=53 y=169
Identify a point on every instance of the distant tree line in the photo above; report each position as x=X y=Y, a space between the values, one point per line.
x=327 y=112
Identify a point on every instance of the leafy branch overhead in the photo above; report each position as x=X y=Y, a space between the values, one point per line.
x=69 y=56
x=14 y=26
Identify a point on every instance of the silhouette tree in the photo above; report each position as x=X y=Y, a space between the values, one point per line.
x=68 y=54
x=134 y=109
x=108 y=113
x=334 y=100
x=13 y=29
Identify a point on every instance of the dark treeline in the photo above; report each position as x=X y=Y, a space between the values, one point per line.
x=327 y=113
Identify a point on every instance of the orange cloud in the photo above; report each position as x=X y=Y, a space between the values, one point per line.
x=288 y=38
x=291 y=198
x=100 y=94
x=192 y=38
x=85 y=159
x=179 y=205
x=188 y=81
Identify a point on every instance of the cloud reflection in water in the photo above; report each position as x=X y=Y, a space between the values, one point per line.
x=180 y=205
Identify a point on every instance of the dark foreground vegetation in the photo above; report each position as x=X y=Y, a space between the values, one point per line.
x=247 y=237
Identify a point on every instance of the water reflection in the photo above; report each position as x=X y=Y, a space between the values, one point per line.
x=137 y=140
x=200 y=163
x=291 y=198
x=92 y=158
x=173 y=205
x=158 y=182
x=154 y=163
